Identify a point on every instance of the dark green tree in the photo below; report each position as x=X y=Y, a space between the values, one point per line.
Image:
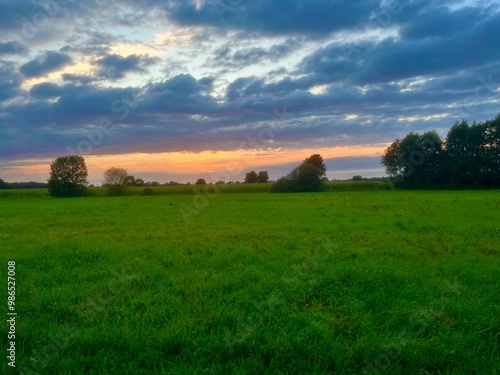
x=115 y=180
x=317 y=161
x=263 y=177
x=200 y=181
x=68 y=177
x=472 y=153
x=3 y=184
x=415 y=160
x=460 y=154
x=251 y=177
x=304 y=178
x=129 y=181
x=491 y=152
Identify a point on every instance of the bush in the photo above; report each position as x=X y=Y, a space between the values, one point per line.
x=115 y=190
x=147 y=191
x=305 y=178
x=283 y=185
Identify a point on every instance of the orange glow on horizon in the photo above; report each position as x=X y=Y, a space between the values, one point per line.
x=203 y=163
x=212 y=162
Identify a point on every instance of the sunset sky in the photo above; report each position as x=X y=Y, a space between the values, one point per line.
x=178 y=90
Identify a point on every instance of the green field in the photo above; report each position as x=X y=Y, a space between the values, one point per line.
x=375 y=282
x=208 y=189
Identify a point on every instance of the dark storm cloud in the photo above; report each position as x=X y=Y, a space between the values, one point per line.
x=114 y=67
x=46 y=63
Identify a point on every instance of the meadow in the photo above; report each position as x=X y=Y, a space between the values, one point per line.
x=194 y=189
x=340 y=282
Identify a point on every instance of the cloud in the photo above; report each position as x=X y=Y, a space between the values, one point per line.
x=180 y=94
x=341 y=84
x=422 y=54
x=82 y=79
x=274 y=16
x=13 y=48
x=48 y=62
x=13 y=13
x=441 y=23
x=224 y=56
x=10 y=81
x=114 y=66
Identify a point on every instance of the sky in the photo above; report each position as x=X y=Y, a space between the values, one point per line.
x=181 y=90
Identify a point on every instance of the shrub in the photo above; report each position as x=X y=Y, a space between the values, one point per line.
x=147 y=191
x=305 y=178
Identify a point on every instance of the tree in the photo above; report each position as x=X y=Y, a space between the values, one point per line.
x=139 y=182
x=68 y=177
x=251 y=177
x=129 y=181
x=308 y=178
x=357 y=178
x=200 y=181
x=317 y=161
x=114 y=180
x=3 y=184
x=263 y=177
x=473 y=153
x=304 y=178
x=491 y=151
x=470 y=155
x=416 y=161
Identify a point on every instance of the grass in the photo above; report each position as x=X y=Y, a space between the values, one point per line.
x=193 y=189
x=341 y=283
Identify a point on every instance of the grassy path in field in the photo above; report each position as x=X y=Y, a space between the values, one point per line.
x=342 y=283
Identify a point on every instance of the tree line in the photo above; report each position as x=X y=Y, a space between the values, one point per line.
x=22 y=185
x=68 y=178
x=469 y=156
